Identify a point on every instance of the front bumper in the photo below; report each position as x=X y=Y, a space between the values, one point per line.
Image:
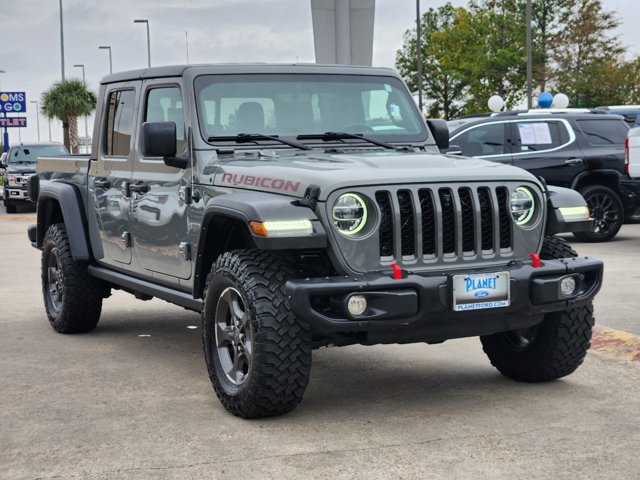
x=419 y=307
x=630 y=196
x=16 y=195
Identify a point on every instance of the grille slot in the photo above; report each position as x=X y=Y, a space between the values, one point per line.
x=407 y=223
x=386 y=224
x=444 y=223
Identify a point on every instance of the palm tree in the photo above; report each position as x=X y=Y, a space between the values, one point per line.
x=67 y=100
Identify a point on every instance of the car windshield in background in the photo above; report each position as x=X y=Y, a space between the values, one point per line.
x=28 y=154
x=299 y=105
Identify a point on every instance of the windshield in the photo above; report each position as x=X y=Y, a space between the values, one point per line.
x=295 y=105
x=30 y=154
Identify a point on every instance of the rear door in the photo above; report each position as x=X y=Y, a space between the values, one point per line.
x=548 y=149
x=160 y=193
x=604 y=140
x=110 y=174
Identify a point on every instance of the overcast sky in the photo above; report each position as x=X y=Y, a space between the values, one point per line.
x=218 y=31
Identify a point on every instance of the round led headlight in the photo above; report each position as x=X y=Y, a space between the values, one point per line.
x=349 y=214
x=522 y=205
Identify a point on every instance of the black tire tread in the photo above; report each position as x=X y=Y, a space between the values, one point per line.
x=282 y=343
x=82 y=293
x=10 y=207
x=562 y=340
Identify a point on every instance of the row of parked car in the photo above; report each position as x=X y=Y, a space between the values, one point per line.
x=593 y=151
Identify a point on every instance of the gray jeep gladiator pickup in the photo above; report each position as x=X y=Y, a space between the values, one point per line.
x=302 y=206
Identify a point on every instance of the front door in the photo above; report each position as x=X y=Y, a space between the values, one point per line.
x=159 y=193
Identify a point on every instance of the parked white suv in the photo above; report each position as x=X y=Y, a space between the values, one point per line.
x=632 y=149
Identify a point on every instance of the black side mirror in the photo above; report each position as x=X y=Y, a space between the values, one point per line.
x=440 y=132
x=159 y=140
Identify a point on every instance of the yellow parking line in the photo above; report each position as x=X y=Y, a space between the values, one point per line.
x=616 y=343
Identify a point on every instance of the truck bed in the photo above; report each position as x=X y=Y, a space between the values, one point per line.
x=72 y=168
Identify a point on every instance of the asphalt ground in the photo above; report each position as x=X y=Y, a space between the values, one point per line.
x=132 y=400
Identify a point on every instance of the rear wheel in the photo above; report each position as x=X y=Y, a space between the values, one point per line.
x=551 y=349
x=607 y=212
x=72 y=298
x=258 y=353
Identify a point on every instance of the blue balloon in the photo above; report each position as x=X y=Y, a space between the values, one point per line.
x=545 y=100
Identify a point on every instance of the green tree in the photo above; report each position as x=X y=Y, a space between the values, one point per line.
x=546 y=24
x=441 y=85
x=589 y=61
x=67 y=100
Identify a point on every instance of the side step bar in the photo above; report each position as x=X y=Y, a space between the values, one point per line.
x=177 y=297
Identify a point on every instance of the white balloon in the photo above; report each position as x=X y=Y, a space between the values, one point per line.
x=496 y=103
x=560 y=100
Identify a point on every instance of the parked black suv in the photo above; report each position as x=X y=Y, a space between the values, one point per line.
x=582 y=151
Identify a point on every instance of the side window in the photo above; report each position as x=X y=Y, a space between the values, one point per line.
x=119 y=122
x=538 y=136
x=482 y=140
x=604 y=131
x=165 y=105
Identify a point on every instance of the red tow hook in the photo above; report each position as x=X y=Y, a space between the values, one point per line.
x=397 y=271
x=535 y=260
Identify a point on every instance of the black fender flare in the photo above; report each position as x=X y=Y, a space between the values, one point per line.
x=249 y=206
x=613 y=174
x=68 y=198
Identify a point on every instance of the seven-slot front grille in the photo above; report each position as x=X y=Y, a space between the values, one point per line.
x=443 y=223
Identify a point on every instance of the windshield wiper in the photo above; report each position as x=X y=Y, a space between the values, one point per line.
x=328 y=136
x=254 y=137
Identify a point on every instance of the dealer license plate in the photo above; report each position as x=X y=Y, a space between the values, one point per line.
x=477 y=291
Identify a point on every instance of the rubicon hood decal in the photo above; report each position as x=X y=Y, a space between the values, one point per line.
x=267 y=183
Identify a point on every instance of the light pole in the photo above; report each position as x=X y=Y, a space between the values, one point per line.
x=5 y=133
x=37 y=117
x=84 y=81
x=419 y=49
x=148 y=39
x=186 y=40
x=1 y=71
x=61 y=42
x=107 y=47
x=529 y=58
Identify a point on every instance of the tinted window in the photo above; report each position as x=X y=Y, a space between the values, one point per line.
x=482 y=140
x=119 y=122
x=27 y=154
x=537 y=136
x=604 y=132
x=165 y=105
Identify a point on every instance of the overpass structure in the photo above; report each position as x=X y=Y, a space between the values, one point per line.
x=343 y=31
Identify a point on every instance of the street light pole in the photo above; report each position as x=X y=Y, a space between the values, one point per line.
x=107 y=47
x=61 y=42
x=419 y=49
x=529 y=58
x=186 y=39
x=5 y=133
x=148 y=40
x=37 y=117
x=84 y=81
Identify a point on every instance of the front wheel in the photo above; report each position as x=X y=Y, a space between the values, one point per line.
x=607 y=212
x=258 y=353
x=551 y=349
x=9 y=206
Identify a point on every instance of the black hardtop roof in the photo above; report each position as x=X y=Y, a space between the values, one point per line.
x=240 y=68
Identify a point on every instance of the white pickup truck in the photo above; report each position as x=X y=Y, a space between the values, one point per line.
x=632 y=148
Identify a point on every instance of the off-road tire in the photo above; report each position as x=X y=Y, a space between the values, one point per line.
x=10 y=207
x=279 y=361
x=607 y=211
x=72 y=297
x=552 y=349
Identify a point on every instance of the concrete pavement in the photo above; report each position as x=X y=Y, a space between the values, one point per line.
x=132 y=400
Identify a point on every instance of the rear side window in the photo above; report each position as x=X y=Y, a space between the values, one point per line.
x=482 y=140
x=604 y=132
x=119 y=122
x=537 y=136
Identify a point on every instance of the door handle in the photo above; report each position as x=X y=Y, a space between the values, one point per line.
x=573 y=161
x=139 y=187
x=104 y=183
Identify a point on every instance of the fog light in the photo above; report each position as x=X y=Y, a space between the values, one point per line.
x=357 y=305
x=567 y=286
